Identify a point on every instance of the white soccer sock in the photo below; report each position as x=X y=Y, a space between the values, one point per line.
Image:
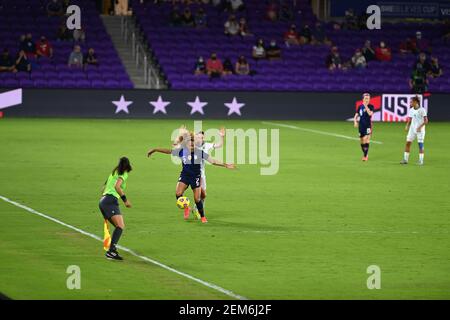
x=406 y=156
x=421 y=157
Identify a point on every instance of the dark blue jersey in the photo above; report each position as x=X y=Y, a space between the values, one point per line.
x=191 y=161
x=365 y=121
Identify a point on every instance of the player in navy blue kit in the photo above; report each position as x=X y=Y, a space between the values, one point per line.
x=191 y=158
x=363 y=121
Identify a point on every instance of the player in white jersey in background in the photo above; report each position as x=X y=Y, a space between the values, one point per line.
x=206 y=147
x=415 y=125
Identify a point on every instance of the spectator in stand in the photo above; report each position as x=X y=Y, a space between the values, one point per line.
x=319 y=36
x=90 y=58
x=421 y=45
x=44 y=48
x=200 y=18
x=407 y=46
x=175 y=17
x=272 y=11
x=418 y=82
x=367 y=51
x=422 y=64
x=200 y=66
x=273 y=51
x=244 y=30
x=227 y=67
x=358 y=60
x=305 y=35
x=242 y=67
x=259 y=52
x=231 y=26
x=30 y=46
x=76 y=57
x=188 y=19
x=55 y=8
x=214 y=66
x=79 y=34
x=236 y=5
x=435 y=69
x=22 y=63
x=22 y=42
x=383 y=53
x=7 y=62
x=350 y=20
x=121 y=7
x=291 y=36
x=333 y=60
x=285 y=13
x=64 y=33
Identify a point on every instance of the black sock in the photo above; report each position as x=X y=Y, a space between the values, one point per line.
x=362 y=147
x=366 y=149
x=115 y=238
x=200 y=208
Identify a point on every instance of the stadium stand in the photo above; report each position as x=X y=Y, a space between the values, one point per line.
x=19 y=17
x=176 y=49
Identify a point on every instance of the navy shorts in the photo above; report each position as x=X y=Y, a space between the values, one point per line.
x=109 y=206
x=193 y=181
x=365 y=131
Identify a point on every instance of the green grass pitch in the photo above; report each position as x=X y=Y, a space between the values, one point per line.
x=309 y=232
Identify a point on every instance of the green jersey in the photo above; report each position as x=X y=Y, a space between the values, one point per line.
x=111 y=183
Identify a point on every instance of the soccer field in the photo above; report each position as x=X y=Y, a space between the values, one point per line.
x=308 y=232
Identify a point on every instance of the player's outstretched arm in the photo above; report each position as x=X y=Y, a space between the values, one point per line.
x=222 y=135
x=160 y=150
x=221 y=164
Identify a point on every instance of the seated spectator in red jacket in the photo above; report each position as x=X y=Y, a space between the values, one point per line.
x=214 y=66
x=7 y=63
x=383 y=53
x=421 y=44
x=408 y=46
x=44 y=48
x=291 y=36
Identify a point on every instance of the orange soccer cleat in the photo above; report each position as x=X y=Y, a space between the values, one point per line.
x=365 y=158
x=204 y=220
x=187 y=210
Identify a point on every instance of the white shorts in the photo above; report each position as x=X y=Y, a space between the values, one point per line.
x=413 y=135
x=203 y=182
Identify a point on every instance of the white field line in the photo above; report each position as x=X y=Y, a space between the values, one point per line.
x=316 y=131
x=202 y=282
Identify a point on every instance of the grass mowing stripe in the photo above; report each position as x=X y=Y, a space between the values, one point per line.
x=207 y=284
x=317 y=131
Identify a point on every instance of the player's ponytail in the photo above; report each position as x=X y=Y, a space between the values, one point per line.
x=123 y=166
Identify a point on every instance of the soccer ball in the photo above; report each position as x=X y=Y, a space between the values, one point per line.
x=183 y=202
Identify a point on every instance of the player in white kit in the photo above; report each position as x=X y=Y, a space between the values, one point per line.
x=207 y=147
x=415 y=125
